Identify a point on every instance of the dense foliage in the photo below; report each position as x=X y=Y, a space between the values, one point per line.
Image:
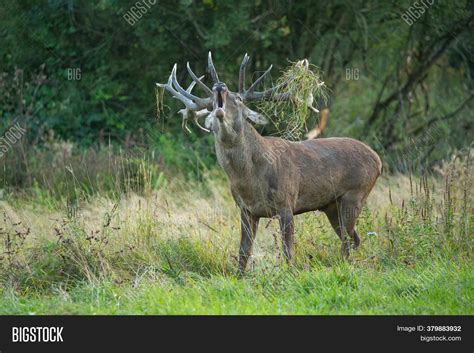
x=108 y=206
x=86 y=71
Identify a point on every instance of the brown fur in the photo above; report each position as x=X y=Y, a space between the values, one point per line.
x=271 y=176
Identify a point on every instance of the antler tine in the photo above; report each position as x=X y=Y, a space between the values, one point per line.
x=243 y=66
x=250 y=94
x=186 y=101
x=260 y=79
x=198 y=80
x=193 y=116
x=200 y=114
x=269 y=93
x=187 y=113
x=212 y=69
x=202 y=103
x=191 y=86
x=195 y=107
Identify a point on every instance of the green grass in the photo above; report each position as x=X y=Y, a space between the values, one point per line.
x=345 y=289
x=171 y=249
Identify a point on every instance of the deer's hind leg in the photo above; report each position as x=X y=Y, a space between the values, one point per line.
x=342 y=215
x=287 y=231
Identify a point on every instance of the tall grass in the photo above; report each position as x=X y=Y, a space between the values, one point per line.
x=145 y=232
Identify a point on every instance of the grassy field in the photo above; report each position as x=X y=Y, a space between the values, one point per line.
x=171 y=249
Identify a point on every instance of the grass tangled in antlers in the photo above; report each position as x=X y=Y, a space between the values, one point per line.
x=290 y=117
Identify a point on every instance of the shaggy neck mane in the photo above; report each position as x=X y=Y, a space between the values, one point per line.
x=240 y=158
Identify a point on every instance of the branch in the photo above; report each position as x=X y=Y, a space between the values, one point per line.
x=446 y=117
x=420 y=72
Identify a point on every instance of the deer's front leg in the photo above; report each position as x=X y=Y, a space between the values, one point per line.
x=287 y=231
x=248 y=226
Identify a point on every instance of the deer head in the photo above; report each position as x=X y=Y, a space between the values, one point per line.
x=332 y=175
x=225 y=111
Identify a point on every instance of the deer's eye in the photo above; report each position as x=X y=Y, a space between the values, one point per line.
x=239 y=98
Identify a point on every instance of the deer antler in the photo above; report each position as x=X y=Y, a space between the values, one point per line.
x=193 y=115
x=190 y=101
x=199 y=82
x=243 y=66
x=250 y=94
x=196 y=107
x=212 y=69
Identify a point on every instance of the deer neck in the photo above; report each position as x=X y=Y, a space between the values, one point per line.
x=241 y=156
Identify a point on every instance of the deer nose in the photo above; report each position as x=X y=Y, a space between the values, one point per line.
x=220 y=87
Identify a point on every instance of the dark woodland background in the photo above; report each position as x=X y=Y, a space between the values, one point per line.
x=109 y=206
x=78 y=75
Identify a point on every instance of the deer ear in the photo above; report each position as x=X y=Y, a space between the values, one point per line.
x=255 y=117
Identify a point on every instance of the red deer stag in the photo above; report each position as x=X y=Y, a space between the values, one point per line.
x=271 y=176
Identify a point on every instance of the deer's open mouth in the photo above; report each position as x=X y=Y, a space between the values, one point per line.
x=220 y=104
x=220 y=100
x=220 y=95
